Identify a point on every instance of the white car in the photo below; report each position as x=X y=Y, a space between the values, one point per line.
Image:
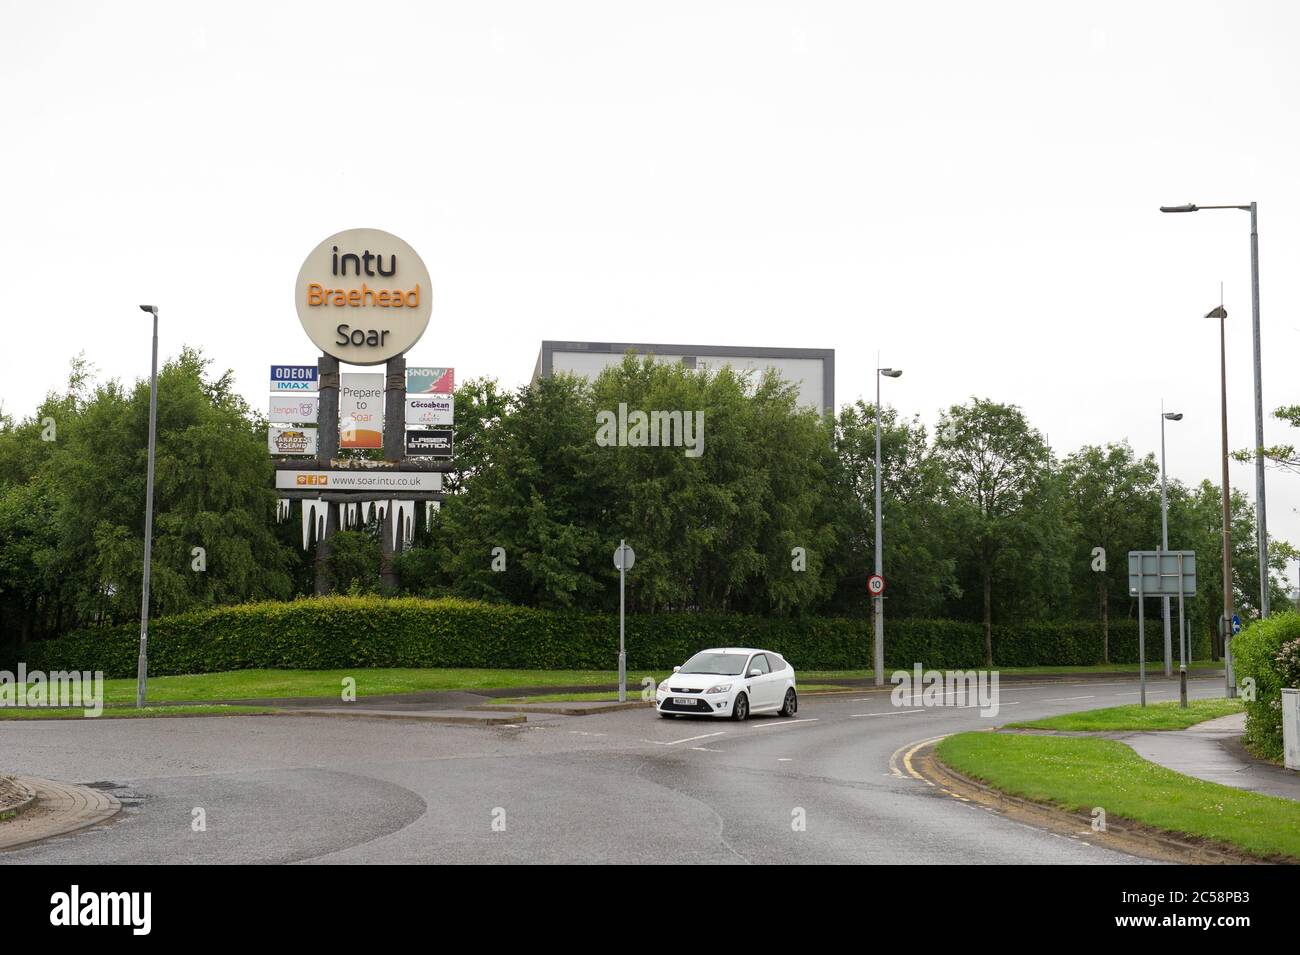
x=729 y=682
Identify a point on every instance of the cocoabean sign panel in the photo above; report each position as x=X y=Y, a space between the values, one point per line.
x=363 y=296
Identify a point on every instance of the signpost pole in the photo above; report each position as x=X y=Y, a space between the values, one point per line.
x=1182 y=656
x=394 y=450
x=327 y=449
x=1142 y=636
x=622 y=647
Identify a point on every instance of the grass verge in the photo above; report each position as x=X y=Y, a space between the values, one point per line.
x=1080 y=773
x=127 y=712
x=633 y=693
x=1165 y=715
x=269 y=684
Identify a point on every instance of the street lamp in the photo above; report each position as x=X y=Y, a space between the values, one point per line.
x=1261 y=523
x=1230 y=686
x=878 y=658
x=142 y=665
x=1164 y=537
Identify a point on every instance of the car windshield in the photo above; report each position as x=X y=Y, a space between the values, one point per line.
x=723 y=664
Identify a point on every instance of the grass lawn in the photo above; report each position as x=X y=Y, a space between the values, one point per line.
x=1080 y=773
x=830 y=676
x=263 y=684
x=126 y=712
x=633 y=693
x=1164 y=715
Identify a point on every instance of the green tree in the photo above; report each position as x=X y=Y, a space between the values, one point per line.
x=996 y=468
x=72 y=519
x=918 y=543
x=1111 y=494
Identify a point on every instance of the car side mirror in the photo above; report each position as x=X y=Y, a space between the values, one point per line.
x=675 y=669
x=756 y=672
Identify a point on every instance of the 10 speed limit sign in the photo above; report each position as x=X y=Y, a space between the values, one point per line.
x=875 y=585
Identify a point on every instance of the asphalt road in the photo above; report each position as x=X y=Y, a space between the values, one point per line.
x=625 y=786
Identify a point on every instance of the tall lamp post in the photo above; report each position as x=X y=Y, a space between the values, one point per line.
x=142 y=665
x=1230 y=686
x=1261 y=522
x=878 y=657
x=1164 y=535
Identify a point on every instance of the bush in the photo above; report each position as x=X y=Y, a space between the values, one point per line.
x=1261 y=653
x=372 y=631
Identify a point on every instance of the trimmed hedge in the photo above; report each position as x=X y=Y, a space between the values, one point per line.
x=371 y=631
x=1255 y=656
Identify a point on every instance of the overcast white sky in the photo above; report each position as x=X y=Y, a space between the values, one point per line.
x=971 y=188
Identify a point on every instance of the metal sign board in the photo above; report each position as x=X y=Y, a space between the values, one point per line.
x=379 y=482
x=1154 y=573
x=435 y=442
x=875 y=585
x=361 y=407
x=294 y=378
x=291 y=440
x=291 y=409
x=624 y=557
x=430 y=381
x=430 y=410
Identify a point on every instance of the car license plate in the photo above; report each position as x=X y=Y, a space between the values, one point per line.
x=684 y=700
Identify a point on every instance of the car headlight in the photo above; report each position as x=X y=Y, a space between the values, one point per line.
x=720 y=688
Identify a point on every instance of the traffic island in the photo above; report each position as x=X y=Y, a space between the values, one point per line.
x=15 y=797
x=53 y=808
x=1098 y=790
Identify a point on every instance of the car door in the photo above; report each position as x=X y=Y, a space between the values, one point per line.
x=761 y=687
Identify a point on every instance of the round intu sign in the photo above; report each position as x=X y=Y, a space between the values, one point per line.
x=875 y=585
x=363 y=296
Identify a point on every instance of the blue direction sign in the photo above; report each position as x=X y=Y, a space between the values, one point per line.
x=1236 y=624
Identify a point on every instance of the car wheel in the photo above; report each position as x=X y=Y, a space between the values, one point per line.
x=740 y=709
x=791 y=703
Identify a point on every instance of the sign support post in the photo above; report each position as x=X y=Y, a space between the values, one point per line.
x=1142 y=641
x=1182 y=649
x=622 y=646
x=394 y=450
x=327 y=449
x=624 y=558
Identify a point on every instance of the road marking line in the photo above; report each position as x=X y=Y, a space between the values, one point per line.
x=689 y=739
x=1062 y=699
x=890 y=713
x=768 y=726
x=783 y=759
x=705 y=749
x=911 y=747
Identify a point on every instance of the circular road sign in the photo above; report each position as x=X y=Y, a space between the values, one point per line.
x=624 y=557
x=875 y=585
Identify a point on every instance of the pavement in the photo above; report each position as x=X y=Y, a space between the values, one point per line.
x=624 y=786
x=1213 y=751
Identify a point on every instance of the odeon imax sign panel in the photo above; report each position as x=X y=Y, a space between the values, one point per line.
x=363 y=296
